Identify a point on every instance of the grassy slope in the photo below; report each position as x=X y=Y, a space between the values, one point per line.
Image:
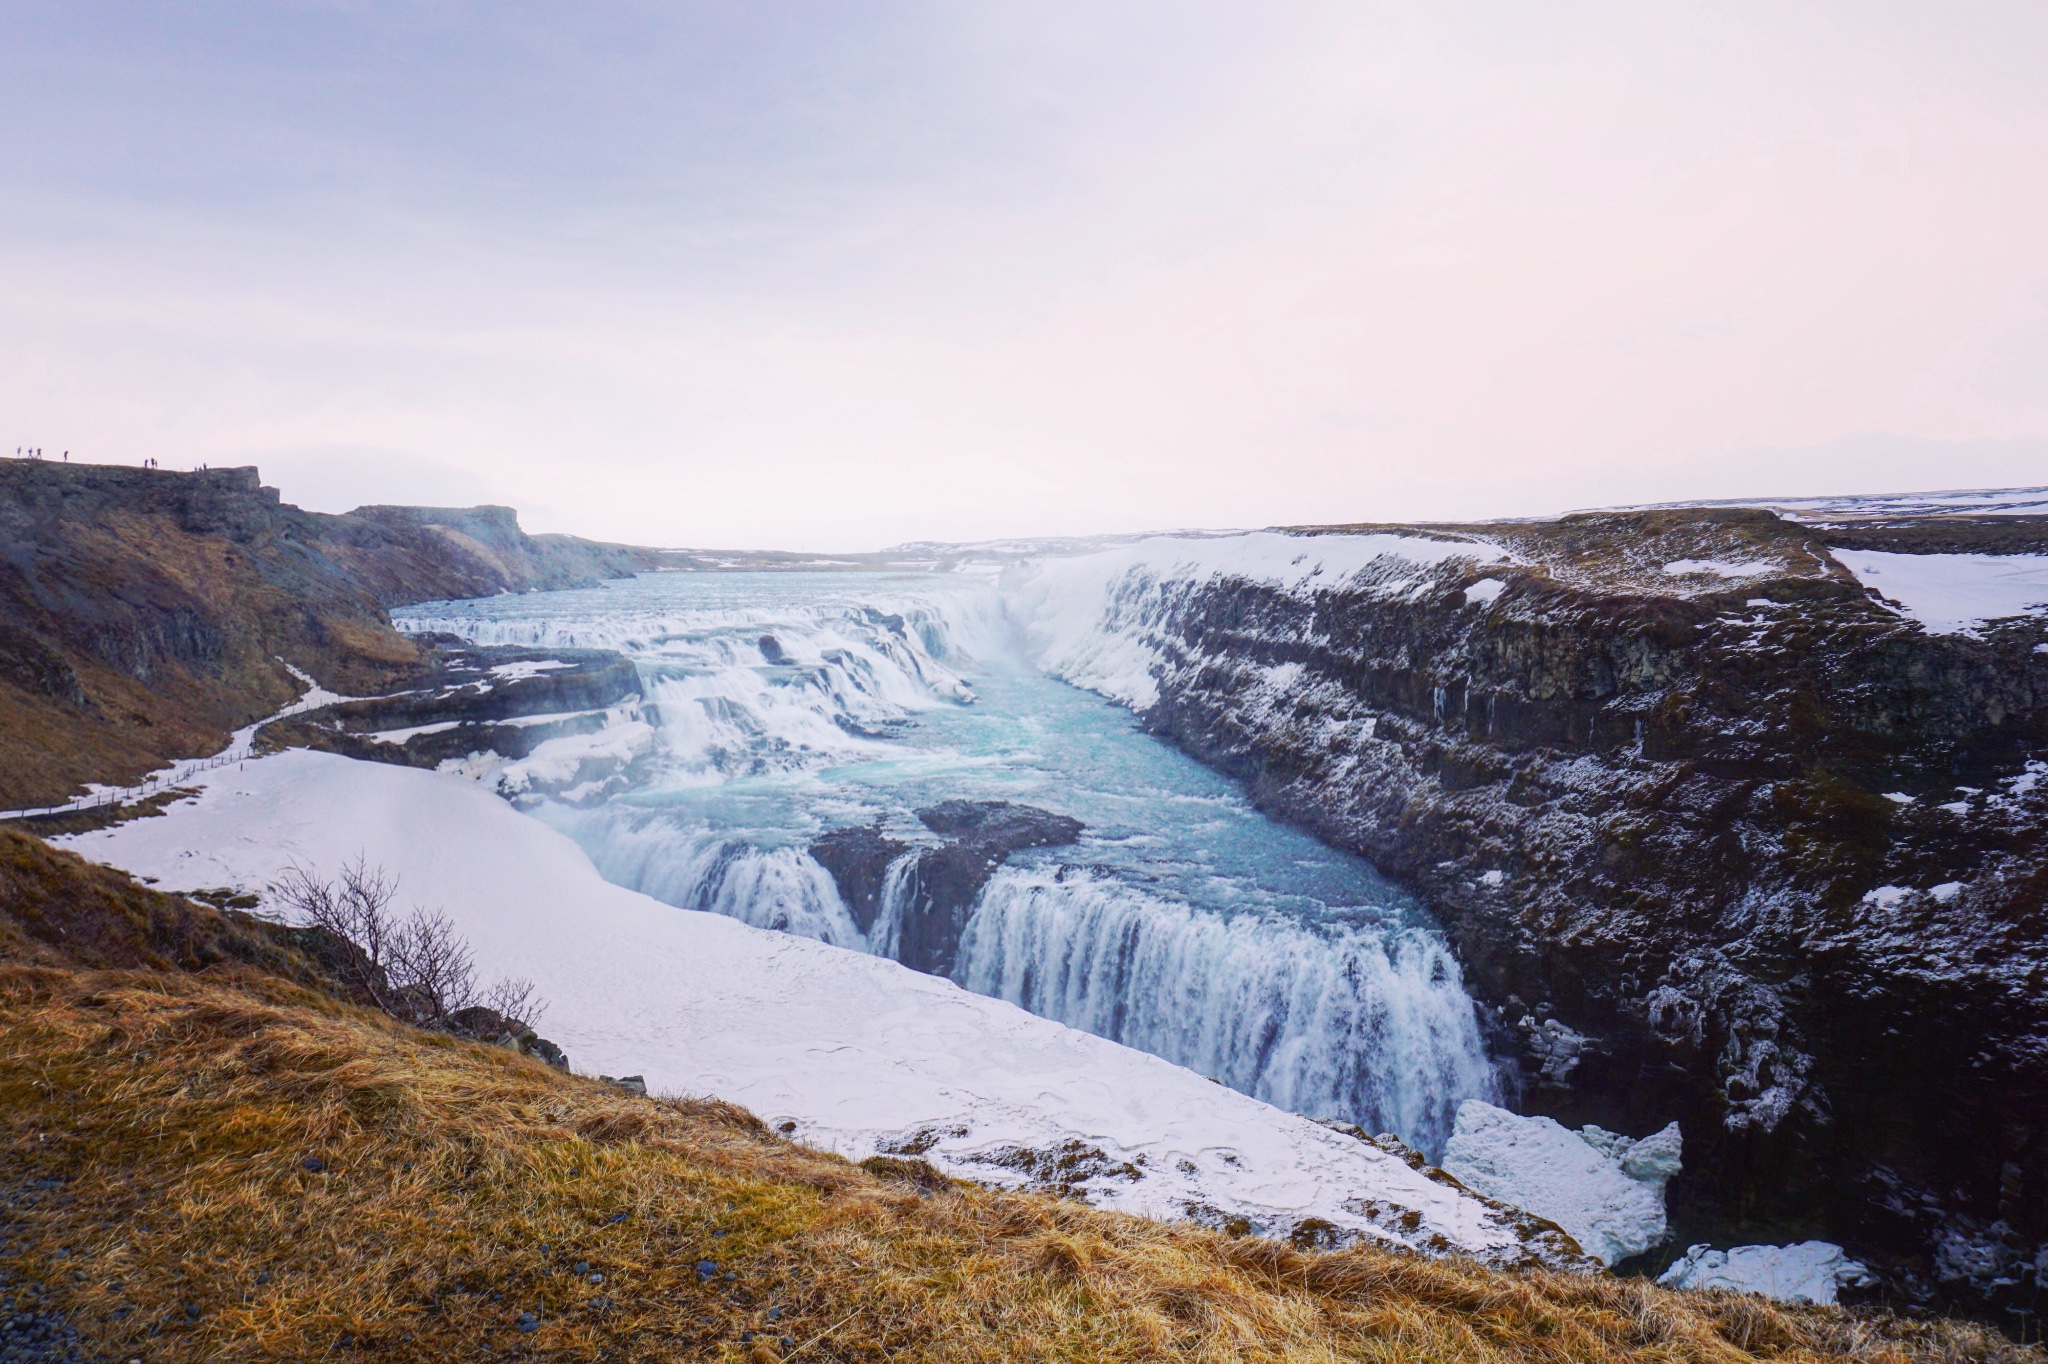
x=157 y=1126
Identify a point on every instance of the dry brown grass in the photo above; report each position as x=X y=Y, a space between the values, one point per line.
x=462 y=1184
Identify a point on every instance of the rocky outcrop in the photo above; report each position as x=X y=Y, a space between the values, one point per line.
x=529 y=722
x=933 y=894
x=146 y=613
x=1718 y=835
x=481 y=1023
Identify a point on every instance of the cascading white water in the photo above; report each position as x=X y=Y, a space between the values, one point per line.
x=779 y=888
x=899 y=884
x=1184 y=923
x=1360 y=1024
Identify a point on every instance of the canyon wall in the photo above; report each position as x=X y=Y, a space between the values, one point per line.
x=1719 y=835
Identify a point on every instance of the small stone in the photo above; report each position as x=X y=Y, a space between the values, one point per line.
x=618 y=1217
x=582 y=1266
x=706 y=1268
x=263 y=1277
x=60 y=1254
x=597 y=1278
x=191 y=1311
x=775 y=1314
x=527 y=1322
x=312 y=1165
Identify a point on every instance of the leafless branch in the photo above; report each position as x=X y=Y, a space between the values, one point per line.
x=431 y=966
x=514 y=998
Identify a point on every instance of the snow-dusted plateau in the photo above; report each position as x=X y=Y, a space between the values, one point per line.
x=1671 y=877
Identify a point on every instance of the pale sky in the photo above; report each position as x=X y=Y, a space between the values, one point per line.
x=833 y=276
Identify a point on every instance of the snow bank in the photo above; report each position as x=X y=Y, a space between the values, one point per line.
x=840 y=1049
x=1811 y=1271
x=1089 y=619
x=1952 y=594
x=1607 y=1190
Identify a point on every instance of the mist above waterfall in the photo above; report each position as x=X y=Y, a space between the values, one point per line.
x=1182 y=922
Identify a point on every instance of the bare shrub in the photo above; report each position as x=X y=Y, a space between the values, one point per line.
x=514 y=998
x=417 y=968
x=430 y=967
x=357 y=911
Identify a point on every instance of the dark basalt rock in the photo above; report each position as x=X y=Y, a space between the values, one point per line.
x=997 y=824
x=461 y=689
x=483 y=1024
x=1655 y=827
x=949 y=878
x=946 y=880
x=859 y=860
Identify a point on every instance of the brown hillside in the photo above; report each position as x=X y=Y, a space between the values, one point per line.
x=146 y=613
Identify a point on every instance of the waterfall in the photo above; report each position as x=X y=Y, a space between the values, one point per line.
x=1371 y=1026
x=790 y=705
x=777 y=888
x=899 y=887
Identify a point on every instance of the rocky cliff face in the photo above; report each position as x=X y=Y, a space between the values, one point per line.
x=937 y=890
x=1719 y=836
x=145 y=613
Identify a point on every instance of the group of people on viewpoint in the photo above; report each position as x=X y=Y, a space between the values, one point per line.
x=36 y=452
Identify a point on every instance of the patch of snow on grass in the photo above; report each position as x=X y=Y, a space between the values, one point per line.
x=1484 y=592
x=1604 y=1189
x=1810 y=1272
x=1898 y=797
x=1946 y=892
x=1719 y=568
x=843 y=1050
x=1887 y=897
x=1953 y=594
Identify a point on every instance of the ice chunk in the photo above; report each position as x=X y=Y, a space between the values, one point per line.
x=1604 y=1189
x=1811 y=1271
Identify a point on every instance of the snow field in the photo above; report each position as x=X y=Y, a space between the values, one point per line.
x=1953 y=594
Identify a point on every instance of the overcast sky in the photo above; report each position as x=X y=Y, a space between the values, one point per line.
x=834 y=276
